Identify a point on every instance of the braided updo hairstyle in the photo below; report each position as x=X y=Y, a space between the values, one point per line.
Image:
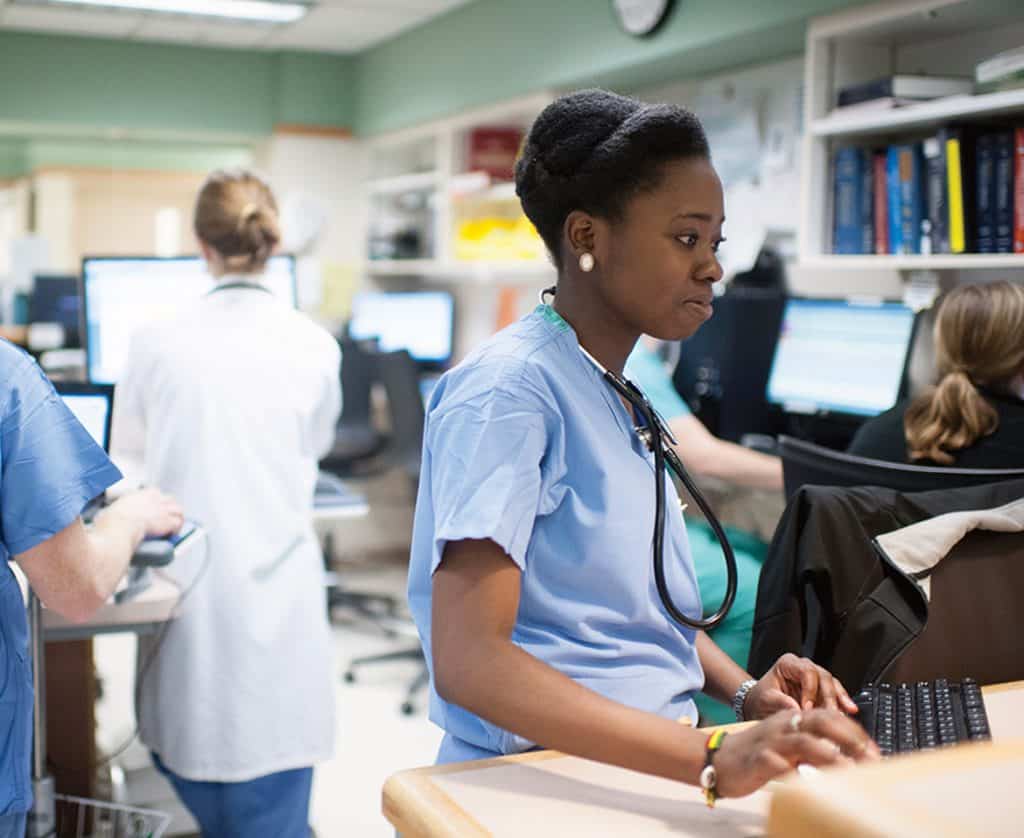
x=593 y=151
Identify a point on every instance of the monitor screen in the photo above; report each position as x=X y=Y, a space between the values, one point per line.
x=91 y=407
x=123 y=294
x=420 y=322
x=56 y=299
x=838 y=356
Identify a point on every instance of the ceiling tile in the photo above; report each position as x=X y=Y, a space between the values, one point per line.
x=332 y=25
x=69 y=21
x=200 y=32
x=340 y=28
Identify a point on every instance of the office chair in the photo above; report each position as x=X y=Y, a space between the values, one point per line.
x=356 y=440
x=804 y=463
x=723 y=369
x=398 y=373
x=829 y=592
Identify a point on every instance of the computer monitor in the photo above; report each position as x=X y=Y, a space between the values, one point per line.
x=122 y=294
x=840 y=356
x=57 y=299
x=421 y=322
x=92 y=405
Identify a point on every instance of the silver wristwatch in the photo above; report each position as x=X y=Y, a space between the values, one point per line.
x=740 y=698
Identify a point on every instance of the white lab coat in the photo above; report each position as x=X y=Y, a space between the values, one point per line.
x=228 y=407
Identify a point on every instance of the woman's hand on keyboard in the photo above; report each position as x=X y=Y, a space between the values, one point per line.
x=750 y=758
x=796 y=683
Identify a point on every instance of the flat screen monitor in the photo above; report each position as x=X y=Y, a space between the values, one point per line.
x=420 y=322
x=57 y=299
x=122 y=294
x=840 y=356
x=92 y=406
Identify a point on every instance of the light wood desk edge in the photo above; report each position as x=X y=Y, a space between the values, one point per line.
x=416 y=806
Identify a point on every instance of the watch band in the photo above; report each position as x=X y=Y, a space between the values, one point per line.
x=740 y=698
x=709 y=775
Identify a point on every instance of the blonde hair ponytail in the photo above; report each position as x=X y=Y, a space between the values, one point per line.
x=979 y=342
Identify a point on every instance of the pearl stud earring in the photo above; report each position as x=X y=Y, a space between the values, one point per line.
x=586 y=262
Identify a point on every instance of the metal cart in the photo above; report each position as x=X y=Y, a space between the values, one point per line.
x=54 y=815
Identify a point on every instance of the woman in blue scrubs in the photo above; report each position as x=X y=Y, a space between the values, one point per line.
x=531 y=578
x=50 y=468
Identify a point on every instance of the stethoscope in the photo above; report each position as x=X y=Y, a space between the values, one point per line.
x=653 y=432
x=228 y=286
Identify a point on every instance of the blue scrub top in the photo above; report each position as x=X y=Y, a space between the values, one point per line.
x=50 y=468
x=647 y=371
x=528 y=446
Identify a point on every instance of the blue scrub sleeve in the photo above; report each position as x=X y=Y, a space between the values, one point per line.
x=485 y=471
x=645 y=369
x=50 y=467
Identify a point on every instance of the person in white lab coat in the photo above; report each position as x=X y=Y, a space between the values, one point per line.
x=230 y=406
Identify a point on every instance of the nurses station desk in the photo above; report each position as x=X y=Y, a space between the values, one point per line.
x=971 y=789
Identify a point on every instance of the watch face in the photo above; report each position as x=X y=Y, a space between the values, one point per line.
x=708 y=777
x=641 y=17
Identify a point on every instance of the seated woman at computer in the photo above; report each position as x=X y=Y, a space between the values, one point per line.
x=705 y=455
x=50 y=468
x=531 y=573
x=974 y=416
x=230 y=405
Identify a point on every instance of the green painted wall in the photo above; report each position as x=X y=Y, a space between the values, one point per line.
x=101 y=84
x=491 y=50
x=19 y=156
x=12 y=158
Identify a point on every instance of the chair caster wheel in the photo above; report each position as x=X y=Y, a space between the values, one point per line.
x=407 y=708
x=350 y=677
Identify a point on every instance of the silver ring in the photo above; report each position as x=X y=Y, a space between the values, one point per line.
x=795 y=721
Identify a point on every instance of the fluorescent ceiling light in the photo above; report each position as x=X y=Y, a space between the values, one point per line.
x=263 y=11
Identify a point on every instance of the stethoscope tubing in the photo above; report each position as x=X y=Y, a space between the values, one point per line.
x=653 y=434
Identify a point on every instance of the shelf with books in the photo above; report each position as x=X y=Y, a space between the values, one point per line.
x=861 y=122
x=931 y=185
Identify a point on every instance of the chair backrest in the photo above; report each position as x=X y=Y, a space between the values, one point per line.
x=399 y=374
x=973 y=628
x=357 y=373
x=804 y=463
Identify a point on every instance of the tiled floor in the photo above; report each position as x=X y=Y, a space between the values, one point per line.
x=373 y=738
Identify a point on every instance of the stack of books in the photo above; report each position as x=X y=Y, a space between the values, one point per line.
x=1003 y=71
x=898 y=90
x=959 y=191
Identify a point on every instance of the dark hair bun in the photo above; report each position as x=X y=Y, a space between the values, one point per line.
x=593 y=150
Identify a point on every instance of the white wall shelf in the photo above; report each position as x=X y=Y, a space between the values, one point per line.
x=431 y=269
x=404 y=183
x=936 y=262
x=857 y=45
x=924 y=115
x=457 y=195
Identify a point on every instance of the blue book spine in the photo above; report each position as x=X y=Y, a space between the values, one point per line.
x=847 y=236
x=892 y=177
x=1004 y=151
x=912 y=198
x=866 y=213
x=985 y=205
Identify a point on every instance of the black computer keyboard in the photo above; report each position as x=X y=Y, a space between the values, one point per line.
x=921 y=716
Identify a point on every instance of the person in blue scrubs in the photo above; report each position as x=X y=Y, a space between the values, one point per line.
x=531 y=578
x=50 y=468
x=706 y=455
